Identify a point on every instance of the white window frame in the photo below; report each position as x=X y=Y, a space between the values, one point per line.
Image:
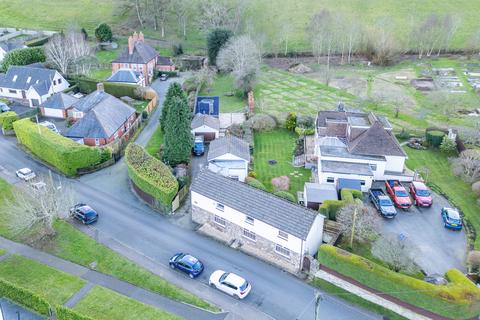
x=77 y=114
x=250 y=235
x=220 y=221
x=362 y=182
x=97 y=141
x=220 y=207
x=249 y=220
x=283 y=235
x=285 y=253
x=373 y=166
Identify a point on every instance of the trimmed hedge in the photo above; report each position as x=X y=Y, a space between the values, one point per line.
x=24 y=297
x=151 y=175
x=456 y=300
x=69 y=314
x=434 y=137
x=330 y=208
x=7 y=119
x=64 y=154
x=118 y=90
x=286 y=195
x=255 y=183
x=37 y=42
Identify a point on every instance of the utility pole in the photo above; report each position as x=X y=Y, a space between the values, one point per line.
x=353 y=226
x=318 y=299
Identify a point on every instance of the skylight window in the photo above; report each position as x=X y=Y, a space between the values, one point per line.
x=14 y=78
x=28 y=79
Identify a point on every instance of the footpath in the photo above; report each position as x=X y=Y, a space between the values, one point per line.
x=96 y=278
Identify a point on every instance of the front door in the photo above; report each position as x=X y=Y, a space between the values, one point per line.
x=24 y=96
x=306 y=264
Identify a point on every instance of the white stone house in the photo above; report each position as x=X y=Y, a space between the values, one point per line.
x=31 y=85
x=266 y=226
x=359 y=146
x=206 y=125
x=229 y=156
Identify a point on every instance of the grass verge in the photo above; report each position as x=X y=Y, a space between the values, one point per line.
x=354 y=299
x=55 y=286
x=155 y=143
x=103 y=304
x=278 y=145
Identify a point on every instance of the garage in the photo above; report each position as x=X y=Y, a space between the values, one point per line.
x=57 y=105
x=206 y=125
x=53 y=113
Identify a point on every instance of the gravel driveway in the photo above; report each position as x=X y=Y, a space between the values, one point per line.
x=439 y=249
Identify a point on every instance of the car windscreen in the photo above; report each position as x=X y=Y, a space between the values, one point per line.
x=423 y=193
x=90 y=214
x=385 y=202
x=197 y=266
x=401 y=193
x=244 y=286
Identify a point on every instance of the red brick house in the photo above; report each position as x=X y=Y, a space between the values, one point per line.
x=165 y=64
x=138 y=56
x=101 y=119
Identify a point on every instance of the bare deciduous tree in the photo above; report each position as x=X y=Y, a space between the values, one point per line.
x=467 y=165
x=203 y=78
x=473 y=261
x=223 y=14
x=323 y=38
x=32 y=210
x=242 y=58
x=382 y=43
x=396 y=251
x=68 y=52
x=358 y=221
x=182 y=9
x=435 y=33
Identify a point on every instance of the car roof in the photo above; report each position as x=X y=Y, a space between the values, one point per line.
x=86 y=208
x=190 y=260
x=419 y=185
x=235 y=279
x=452 y=213
x=383 y=198
x=25 y=170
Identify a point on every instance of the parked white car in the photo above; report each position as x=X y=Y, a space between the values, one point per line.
x=26 y=174
x=49 y=125
x=230 y=283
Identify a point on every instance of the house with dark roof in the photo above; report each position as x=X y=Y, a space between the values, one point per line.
x=58 y=105
x=230 y=157
x=165 y=64
x=205 y=125
x=31 y=85
x=262 y=224
x=7 y=46
x=101 y=118
x=127 y=76
x=358 y=146
x=137 y=56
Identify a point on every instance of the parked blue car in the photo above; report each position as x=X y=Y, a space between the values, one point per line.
x=451 y=219
x=187 y=264
x=84 y=213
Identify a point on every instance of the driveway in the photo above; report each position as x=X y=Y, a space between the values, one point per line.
x=439 y=249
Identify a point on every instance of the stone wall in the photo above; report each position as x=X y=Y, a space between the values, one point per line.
x=261 y=248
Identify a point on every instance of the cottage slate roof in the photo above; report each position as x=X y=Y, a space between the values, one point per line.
x=229 y=144
x=341 y=167
x=125 y=76
x=258 y=204
x=11 y=45
x=105 y=114
x=59 y=100
x=334 y=115
x=376 y=141
x=164 y=61
x=22 y=81
x=142 y=53
x=316 y=192
x=205 y=119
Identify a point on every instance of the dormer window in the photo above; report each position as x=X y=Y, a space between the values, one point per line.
x=14 y=78
x=36 y=81
x=29 y=79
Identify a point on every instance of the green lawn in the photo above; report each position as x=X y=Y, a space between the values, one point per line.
x=55 y=286
x=221 y=85
x=440 y=174
x=73 y=245
x=140 y=105
x=100 y=74
x=278 y=145
x=107 y=56
x=352 y=298
x=154 y=144
x=104 y=304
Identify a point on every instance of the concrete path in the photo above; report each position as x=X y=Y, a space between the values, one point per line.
x=79 y=295
x=96 y=278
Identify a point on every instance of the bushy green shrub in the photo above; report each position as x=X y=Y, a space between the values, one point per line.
x=151 y=175
x=216 y=39
x=286 y=195
x=103 y=32
x=448 y=146
x=183 y=181
x=434 y=137
x=458 y=278
x=23 y=297
x=252 y=174
x=118 y=90
x=291 y=121
x=22 y=57
x=69 y=314
x=37 y=42
x=63 y=153
x=255 y=183
x=457 y=300
x=330 y=208
x=7 y=119
x=304 y=132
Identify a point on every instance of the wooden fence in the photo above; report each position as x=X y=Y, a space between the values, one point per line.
x=182 y=193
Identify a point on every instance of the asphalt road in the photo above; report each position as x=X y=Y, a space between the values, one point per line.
x=275 y=295
x=437 y=249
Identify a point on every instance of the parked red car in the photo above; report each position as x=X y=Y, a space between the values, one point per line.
x=398 y=194
x=421 y=195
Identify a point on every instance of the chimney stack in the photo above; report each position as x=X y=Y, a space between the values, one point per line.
x=100 y=87
x=131 y=44
x=140 y=36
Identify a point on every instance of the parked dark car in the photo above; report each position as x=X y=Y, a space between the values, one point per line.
x=84 y=213
x=187 y=264
x=163 y=77
x=4 y=107
x=382 y=203
x=451 y=219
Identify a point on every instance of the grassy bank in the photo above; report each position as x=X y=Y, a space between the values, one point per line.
x=155 y=143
